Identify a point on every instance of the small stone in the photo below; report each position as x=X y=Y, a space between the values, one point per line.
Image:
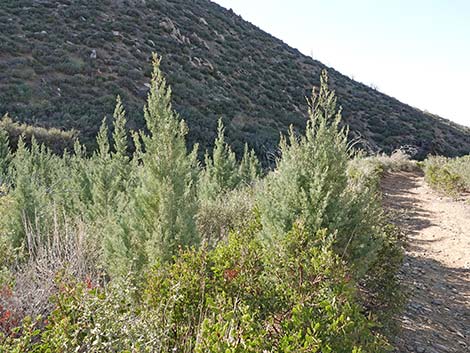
x=441 y=347
x=431 y=350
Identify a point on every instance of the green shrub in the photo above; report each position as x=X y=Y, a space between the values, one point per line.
x=229 y=211
x=221 y=169
x=164 y=205
x=57 y=140
x=381 y=288
x=310 y=176
x=398 y=160
x=89 y=319
x=243 y=297
x=5 y=155
x=311 y=183
x=447 y=175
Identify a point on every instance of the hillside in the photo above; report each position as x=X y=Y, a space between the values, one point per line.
x=63 y=62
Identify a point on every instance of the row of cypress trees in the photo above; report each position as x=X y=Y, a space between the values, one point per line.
x=138 y=209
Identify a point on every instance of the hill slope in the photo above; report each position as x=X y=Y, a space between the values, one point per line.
x=62 y=63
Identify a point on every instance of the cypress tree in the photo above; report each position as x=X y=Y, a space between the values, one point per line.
x=250 y=168
x=111 y=169
x=310 y=178
x=221 y=171
x=5 y=155
x=121 y=160
x=101 y=176
x=80 y=179
x=115 y=226
x=165 y=205
x=38 y=188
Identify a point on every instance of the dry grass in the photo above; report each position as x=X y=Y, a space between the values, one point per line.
x=63 y=253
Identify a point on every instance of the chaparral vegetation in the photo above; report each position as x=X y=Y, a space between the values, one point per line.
x=142 y=247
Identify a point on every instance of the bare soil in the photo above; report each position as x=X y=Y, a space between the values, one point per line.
x=436 y=270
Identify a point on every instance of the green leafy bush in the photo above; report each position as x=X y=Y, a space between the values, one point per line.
x=238 y=297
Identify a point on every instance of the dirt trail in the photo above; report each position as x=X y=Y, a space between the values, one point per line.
x=436 y=269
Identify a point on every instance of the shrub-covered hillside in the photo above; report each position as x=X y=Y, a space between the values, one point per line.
x=63 y=62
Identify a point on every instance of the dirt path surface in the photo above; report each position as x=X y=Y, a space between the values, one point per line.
x=436 y=269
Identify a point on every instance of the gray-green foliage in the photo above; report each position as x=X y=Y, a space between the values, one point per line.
x=39 y=184
x=112 y=182
x=5 y=155
x=450 y=176
x=223 y=173
x=138 y=211
x=120 y=139
x=250 y=167
x=310 y=184
x=164 y=204
x=101 y=174
x=221 y=169
x=111 y=172
x=310 y=177
x=225 y=189
x=229 y=211
x=241 y=294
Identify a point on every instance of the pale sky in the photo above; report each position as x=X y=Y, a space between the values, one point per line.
x=417 y=51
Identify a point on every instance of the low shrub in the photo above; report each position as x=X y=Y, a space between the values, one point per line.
x=382 y=293
x=398 y=160
x=372 y=167
x=450 y=176
x=57 y=140
x=217 y=217
x=238 y=297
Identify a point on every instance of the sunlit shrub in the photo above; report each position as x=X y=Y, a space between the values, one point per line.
x=450 y=176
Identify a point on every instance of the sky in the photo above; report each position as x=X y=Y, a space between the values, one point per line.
x=417 y=51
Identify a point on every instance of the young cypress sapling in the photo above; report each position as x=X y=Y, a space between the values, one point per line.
x=165 y=204
x=120 y=157
x=5 y=155
x=310 y=177
x=250 y=168
x=221 y=173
